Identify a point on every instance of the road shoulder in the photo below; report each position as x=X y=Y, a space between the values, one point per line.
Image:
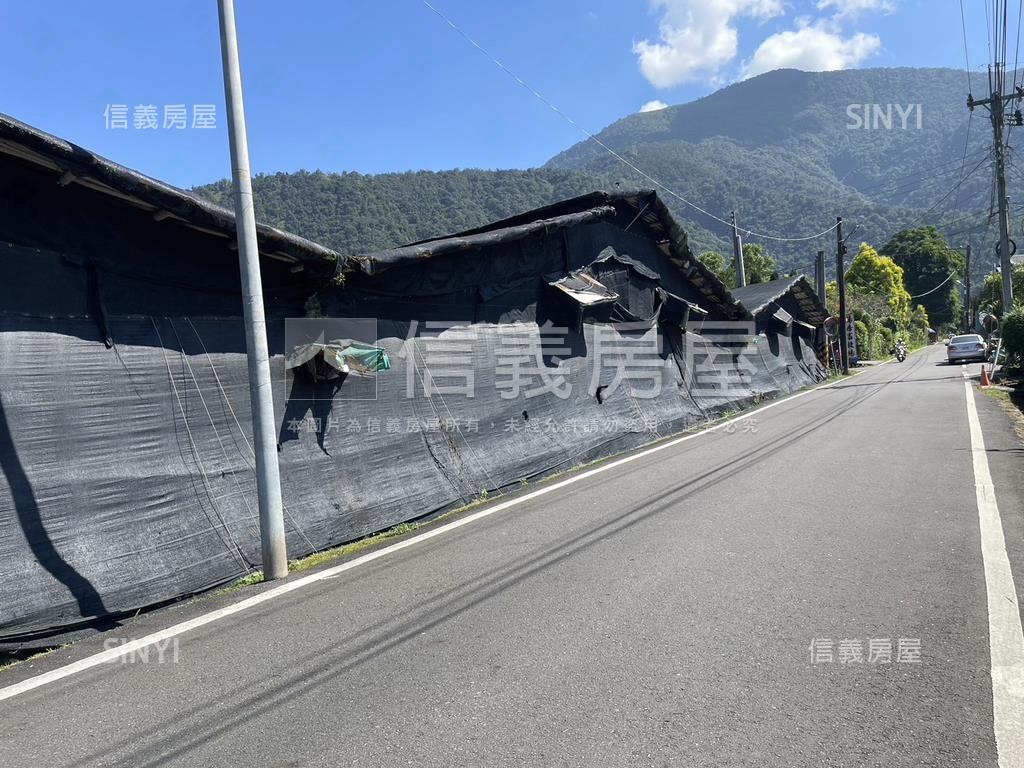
x=1005 y=451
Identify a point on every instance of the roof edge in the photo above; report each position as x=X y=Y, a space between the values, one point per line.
x=374 y=263
x=78 y=164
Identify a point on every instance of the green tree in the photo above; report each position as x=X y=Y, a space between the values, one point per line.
x=927 y=261
x=758 y=265
x=918 y=326
x=832 y=297
x=879 y=277
x=1013 y=337
x=990 y=297
x=864 y=337
x=717 y=263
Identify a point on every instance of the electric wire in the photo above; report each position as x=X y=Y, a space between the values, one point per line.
x=988 y=39
x=939 y=202
x=967 y=60
x=933 y=290
x=963 y=163
x=234 y=549
x=245 y=458
x=908 y=182
x=590 y=136
x=1016 y=50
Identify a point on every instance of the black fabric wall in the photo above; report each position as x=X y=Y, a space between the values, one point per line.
x=127 y=474
x=144 y=266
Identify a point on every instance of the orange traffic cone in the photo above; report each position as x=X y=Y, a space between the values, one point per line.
x=985 y=381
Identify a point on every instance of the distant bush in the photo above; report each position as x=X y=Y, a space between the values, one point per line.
x=863 y=340
x=885 y=341
x=1013 y=337
x=919 y=325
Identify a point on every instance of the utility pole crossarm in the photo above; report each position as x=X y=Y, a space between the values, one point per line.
x=995 y=98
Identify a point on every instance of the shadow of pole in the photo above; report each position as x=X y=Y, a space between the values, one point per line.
x=90 y=604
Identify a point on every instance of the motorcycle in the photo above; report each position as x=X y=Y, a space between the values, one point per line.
x=901 y=352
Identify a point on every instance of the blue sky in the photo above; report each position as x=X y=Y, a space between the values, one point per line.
x=387 y=85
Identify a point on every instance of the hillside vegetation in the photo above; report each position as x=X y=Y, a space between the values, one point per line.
x=782 y=149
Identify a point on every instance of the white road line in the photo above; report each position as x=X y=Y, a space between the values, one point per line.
x=116 y=653
x=1006 y=638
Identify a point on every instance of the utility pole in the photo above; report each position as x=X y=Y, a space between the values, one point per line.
x=737 y=254
x=844 y=331
x=268 y=477
x=819 y=276
x=967 y=287
x=996 y=105
x=819 y=287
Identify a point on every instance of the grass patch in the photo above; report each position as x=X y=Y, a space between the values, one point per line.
x=13 y=658
x=1009 y=393
x=997 y=394
x=329 y=555
x=255 y=577
x=832 y=375
x=402 y=529
x=326 y=556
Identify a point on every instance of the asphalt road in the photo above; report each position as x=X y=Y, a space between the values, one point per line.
x=660 y=613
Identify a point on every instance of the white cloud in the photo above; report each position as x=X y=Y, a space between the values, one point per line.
x=653 y=106
x=850 y=8
x=697 y=37
x=816 y=47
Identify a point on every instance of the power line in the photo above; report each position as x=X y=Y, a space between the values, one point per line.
x=984 y=225
x=939 y=180
x=967 y=60
x=1001 y=37
x=950 y=192
x=608 y=149
x=963 y=163
x=969 y=230
x=972 y=215
x=988 y=38
x=1016 y=55
x=933 y=290
x=1016 y=50
x=901 y=181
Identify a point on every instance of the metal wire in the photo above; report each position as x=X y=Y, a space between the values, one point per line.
x=608 y=149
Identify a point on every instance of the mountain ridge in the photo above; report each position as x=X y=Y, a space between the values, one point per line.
x=779 y=148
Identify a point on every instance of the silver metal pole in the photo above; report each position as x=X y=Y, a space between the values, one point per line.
x=268 y=478
x=819 y=276
x=737 y=254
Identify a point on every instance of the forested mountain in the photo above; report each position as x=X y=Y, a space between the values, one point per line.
x=789 y=150
x=353 y=213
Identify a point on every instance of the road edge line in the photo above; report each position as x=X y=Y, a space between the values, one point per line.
x=1006 y=636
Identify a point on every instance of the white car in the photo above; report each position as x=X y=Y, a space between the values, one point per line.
x=965 y=348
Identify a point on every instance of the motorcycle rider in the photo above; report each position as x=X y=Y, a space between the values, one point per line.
x=900 y=350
